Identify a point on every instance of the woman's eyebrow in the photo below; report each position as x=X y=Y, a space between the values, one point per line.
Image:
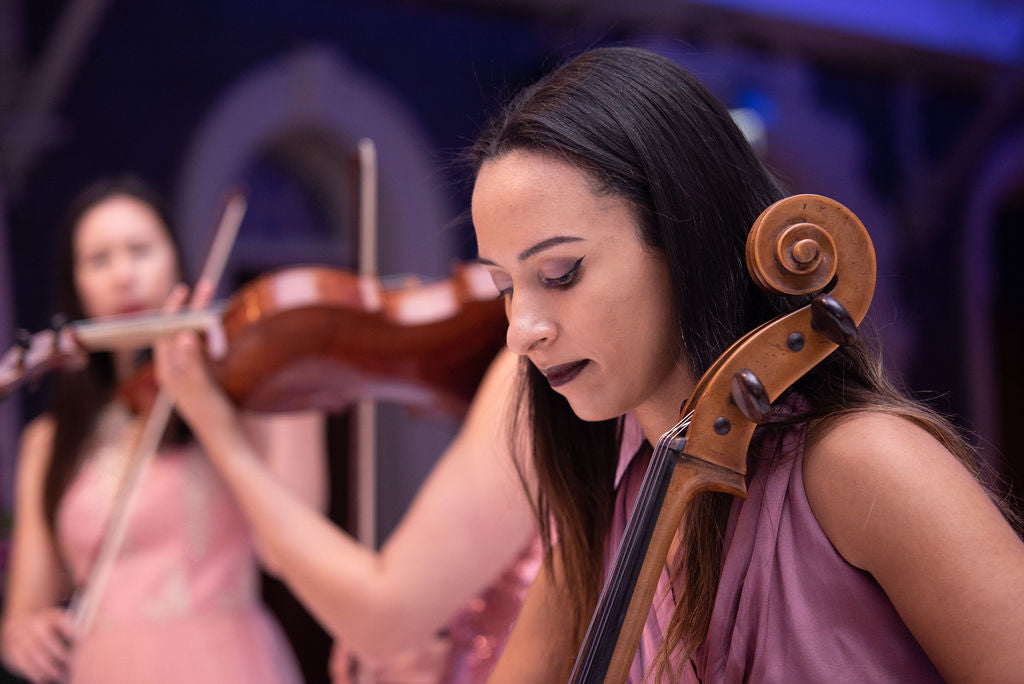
x=539 y=247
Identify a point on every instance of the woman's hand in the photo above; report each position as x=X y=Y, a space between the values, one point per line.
x=180 y=361
x=38 y=646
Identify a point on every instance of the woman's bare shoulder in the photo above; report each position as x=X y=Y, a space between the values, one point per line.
x=880 y=442
x=37 y=437
x=897 y=503
x=872 y=476
x=34 y=453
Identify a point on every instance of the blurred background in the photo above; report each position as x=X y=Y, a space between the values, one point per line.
x=911 y=113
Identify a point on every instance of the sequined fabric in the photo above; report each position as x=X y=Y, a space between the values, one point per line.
x=478 y=634
x=470 y=646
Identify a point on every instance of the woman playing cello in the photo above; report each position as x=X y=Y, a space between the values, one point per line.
x=611 y=204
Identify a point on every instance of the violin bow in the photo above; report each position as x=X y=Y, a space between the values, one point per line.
x=365 y=440
x=86 y=600
x=365 y=410
x=798 y=245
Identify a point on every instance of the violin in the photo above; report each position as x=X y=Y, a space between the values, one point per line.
x=309 y=337
x=799 y=245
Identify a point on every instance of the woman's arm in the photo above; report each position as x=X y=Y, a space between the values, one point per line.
x=896 y=503
x=36 y=633
x=293 y=446
x=468 y=522
x=542 y=647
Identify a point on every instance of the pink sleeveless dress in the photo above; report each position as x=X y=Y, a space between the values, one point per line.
x=789 y=608
x=182 y=602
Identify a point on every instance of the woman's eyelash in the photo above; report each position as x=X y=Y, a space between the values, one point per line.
x=568 y=278
x=564 y=280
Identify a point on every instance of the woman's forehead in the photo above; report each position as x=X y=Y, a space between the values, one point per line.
x=117 y=217
x=521 y=183
x=532 y=200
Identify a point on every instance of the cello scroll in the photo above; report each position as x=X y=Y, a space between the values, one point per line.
x=798 y=245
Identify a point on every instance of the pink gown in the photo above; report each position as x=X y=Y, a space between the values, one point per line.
x=182 y=603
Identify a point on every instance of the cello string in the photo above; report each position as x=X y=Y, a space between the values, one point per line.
x=632 y=537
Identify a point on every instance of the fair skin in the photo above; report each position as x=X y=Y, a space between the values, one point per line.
x=891 y=499
x=467 y=523
x=561 y=284
x=895 y=503
x=124 y=262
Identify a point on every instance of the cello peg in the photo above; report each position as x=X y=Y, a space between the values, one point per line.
x=58 y=321
x=831 y=319
x=750 y=396
x=22 y=339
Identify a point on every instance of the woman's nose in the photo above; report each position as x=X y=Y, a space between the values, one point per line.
x=529 y=327
x=124 y=271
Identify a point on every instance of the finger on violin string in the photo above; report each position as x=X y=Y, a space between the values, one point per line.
x=170 y=358
x=202 y=294
x=216 y=341
x=176 y=298
x=55 y=647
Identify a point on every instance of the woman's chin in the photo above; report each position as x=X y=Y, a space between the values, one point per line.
x=590 y=413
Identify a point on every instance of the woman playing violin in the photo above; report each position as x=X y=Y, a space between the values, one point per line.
x=182 y=600
x=611 y=204
x=460 y=559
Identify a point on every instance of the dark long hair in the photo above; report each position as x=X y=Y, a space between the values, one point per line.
x=645 y=130
x=80 y=396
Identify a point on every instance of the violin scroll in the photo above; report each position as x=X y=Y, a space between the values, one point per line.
x=32 y=356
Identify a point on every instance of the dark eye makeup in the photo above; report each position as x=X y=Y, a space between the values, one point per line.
x=503 y=283
x=566 y=279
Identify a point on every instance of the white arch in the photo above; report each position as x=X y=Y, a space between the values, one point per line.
x=314 y=89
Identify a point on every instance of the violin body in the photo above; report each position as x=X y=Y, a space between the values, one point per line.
x=311 y=337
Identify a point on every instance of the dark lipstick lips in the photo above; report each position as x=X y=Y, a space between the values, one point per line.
x=559 y=375
x=129 y=309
